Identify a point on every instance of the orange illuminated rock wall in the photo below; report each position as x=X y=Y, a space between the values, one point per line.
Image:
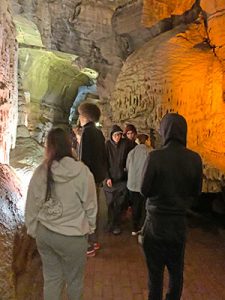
x=156 y=10
x=215 y=14
x=177 y=72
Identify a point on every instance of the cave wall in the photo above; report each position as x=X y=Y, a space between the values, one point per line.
x=215 y=22
x=11 y=219
x=48 y=82
x=17 y=251
x=101 y=33
x=48 y=85
x=213 y=11
x=20 y=267
x=162 y=56
x=180 y=71
x=8 y=82
x=155 y=10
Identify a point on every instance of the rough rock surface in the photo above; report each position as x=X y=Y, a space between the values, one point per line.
x=27 y=268
x=187 y=80
x=102 y=33
x=8 y=82
x=215 y=17
x=11 y=219
x=156 y=10
x=163 y=78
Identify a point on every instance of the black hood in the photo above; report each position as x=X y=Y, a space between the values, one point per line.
x=173 y=127
x=114 y=129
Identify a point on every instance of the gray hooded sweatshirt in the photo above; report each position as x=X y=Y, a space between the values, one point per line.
x=72 y=207
x=134 y=165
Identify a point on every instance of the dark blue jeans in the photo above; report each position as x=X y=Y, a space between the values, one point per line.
x=160 y=254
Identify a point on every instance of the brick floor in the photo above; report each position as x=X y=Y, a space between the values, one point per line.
x=118 y=271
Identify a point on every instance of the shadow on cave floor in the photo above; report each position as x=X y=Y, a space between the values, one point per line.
x=118 y=271
x=206 y=221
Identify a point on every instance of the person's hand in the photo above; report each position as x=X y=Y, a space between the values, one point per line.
x=109 y=182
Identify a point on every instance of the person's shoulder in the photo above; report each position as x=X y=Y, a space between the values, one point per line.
x=39 y=174
x=91 y=128
x=99 y=132
x=85 y=171
x=107 y=141
x=155 y=154
x=40 y=169
x=194 y=154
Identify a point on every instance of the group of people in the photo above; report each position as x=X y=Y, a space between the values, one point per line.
x=120 y=159
x=63 y=197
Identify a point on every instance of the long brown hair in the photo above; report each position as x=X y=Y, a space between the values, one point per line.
x=58 y=145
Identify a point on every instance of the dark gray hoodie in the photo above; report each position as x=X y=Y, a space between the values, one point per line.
x=172 y=179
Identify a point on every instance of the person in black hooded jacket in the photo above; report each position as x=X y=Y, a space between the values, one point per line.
x=172 y=179
x=115 y=184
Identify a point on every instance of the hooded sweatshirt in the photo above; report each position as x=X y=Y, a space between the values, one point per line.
x=134 y=165
x=116 y=157
x=172 y=178
x=72 y=207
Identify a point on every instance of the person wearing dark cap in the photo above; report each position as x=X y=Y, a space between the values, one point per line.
x=115 y=183
x=93 y=154
x=172 y=180
x=130 y=134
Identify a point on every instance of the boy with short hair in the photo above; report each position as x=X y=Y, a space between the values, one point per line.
x=92 y=153
x=130 y=134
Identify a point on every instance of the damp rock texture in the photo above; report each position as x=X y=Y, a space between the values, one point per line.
x=8 y=82
x=11 y=219
x=181 y=70
x=20 y=268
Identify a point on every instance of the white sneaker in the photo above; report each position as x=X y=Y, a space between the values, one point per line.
x=134 y=233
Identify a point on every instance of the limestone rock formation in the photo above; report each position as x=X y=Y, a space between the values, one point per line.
x=52 y=82
x=27 y=268
x=105 y=43
x=156 y=10
x=101 y=43
x=177 y=72
x=8 y=82
x=11 y=219
x=215 y=18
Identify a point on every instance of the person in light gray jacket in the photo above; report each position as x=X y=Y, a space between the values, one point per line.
x=60 y=212
x=134 y=165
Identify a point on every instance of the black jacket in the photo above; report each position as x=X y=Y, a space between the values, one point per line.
x=116 y=157
x=92 y=151
x=172 y=178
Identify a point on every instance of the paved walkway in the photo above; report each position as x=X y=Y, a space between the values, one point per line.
x=118 y=271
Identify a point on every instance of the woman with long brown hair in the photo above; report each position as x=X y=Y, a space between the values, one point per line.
x=60 y=211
